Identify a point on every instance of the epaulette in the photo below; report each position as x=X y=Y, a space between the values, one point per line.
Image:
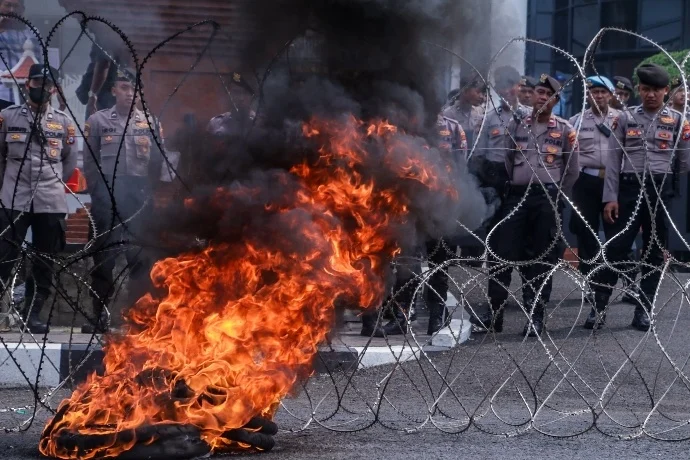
x=562 y=120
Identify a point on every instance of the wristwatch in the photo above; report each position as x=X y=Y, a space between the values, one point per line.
x=92 y=94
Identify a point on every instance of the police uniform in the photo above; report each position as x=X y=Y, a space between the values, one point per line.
x=642 y=163
x=543 y=158
x=488 y=162
x=36 y=157
x=596 y=141
x=121 y=159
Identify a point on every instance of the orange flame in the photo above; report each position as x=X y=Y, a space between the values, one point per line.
x=240 y=323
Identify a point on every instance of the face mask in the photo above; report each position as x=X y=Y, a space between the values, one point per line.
x=39 y=95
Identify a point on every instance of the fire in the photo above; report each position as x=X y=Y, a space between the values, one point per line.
x=239 y=323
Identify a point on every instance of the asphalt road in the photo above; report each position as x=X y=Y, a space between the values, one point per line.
x=572 y=395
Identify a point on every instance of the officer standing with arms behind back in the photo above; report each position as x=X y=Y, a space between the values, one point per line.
x=121 y=148
x=647 y=135
x=596 y=142
x=36 y=157
x=544 y=159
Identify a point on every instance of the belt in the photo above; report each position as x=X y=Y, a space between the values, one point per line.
x=521 y=189
x=596 y=172
x=634 y=178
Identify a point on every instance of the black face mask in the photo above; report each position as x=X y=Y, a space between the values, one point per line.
x=39 y=95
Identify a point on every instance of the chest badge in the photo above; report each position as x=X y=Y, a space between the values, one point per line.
x=54 y=126
x=664 y=135
x=108 y=138
x=495 y=132
x=551 y=149
x=555 y=135
x=53 y=142
x=633 y=132
x=15 y=137
x=663 y=146
x=53 y=153
x=444 y=133
x=550 y=159
x=667 y=120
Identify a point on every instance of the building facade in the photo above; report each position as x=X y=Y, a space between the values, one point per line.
x=572 y=24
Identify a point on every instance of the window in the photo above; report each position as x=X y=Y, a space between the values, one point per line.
x=586 y=24
x=621 y=14
x=660 y=21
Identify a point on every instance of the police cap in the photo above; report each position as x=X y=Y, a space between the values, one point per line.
x=125 y=74
x=548 y=81
x=506 y=77
x=652 y=75
x=473 y=80
x=43 y=71
x=598 y=81
x=623 y=83
x=528 y=81
x=676 y=82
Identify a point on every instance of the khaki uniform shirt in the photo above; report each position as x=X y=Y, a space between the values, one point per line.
x=137 y=155
x=470 y=119
x=452 y=138
x=493 y=139
x=545 y=152
x=647 y=142
x=594 y=144
x=35 y=161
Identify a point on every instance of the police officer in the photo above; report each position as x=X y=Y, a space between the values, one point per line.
x=122 y=162
x=453 y=141
x=466 y=107
x=36 y=157
x=596 y=141
x=647 y=135
x=488 y=162
x=544 y=159
x=623 y=92
x=526 y=93
x=678 y=97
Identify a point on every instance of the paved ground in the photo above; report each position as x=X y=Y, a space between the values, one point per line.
x=572 y=385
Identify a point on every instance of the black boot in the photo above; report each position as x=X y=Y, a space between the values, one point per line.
x=32 y=318
x=369 y=320
x=641 y=318
x=491 y=321
x=439 y=317
x=101 y=325
x=537 y=326
x=597 y=315
x=396 y=326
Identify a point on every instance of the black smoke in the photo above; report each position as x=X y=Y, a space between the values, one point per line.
x=374 y=59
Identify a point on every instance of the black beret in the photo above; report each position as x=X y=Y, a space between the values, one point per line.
x=528 y=81
x=41 y=71
x=126 y=74
x=473 y=80
x=623 y=83
x=548 y=81
x=506 y=77
x=652 y=75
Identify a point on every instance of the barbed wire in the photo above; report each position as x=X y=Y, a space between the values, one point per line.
x=564 y=383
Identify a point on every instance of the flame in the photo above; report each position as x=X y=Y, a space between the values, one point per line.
x=240 y=323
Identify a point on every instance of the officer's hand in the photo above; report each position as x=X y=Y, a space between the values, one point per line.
x=91 y=106
x=611 y=212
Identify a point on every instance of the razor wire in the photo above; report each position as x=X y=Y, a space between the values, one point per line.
x=564 y=383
